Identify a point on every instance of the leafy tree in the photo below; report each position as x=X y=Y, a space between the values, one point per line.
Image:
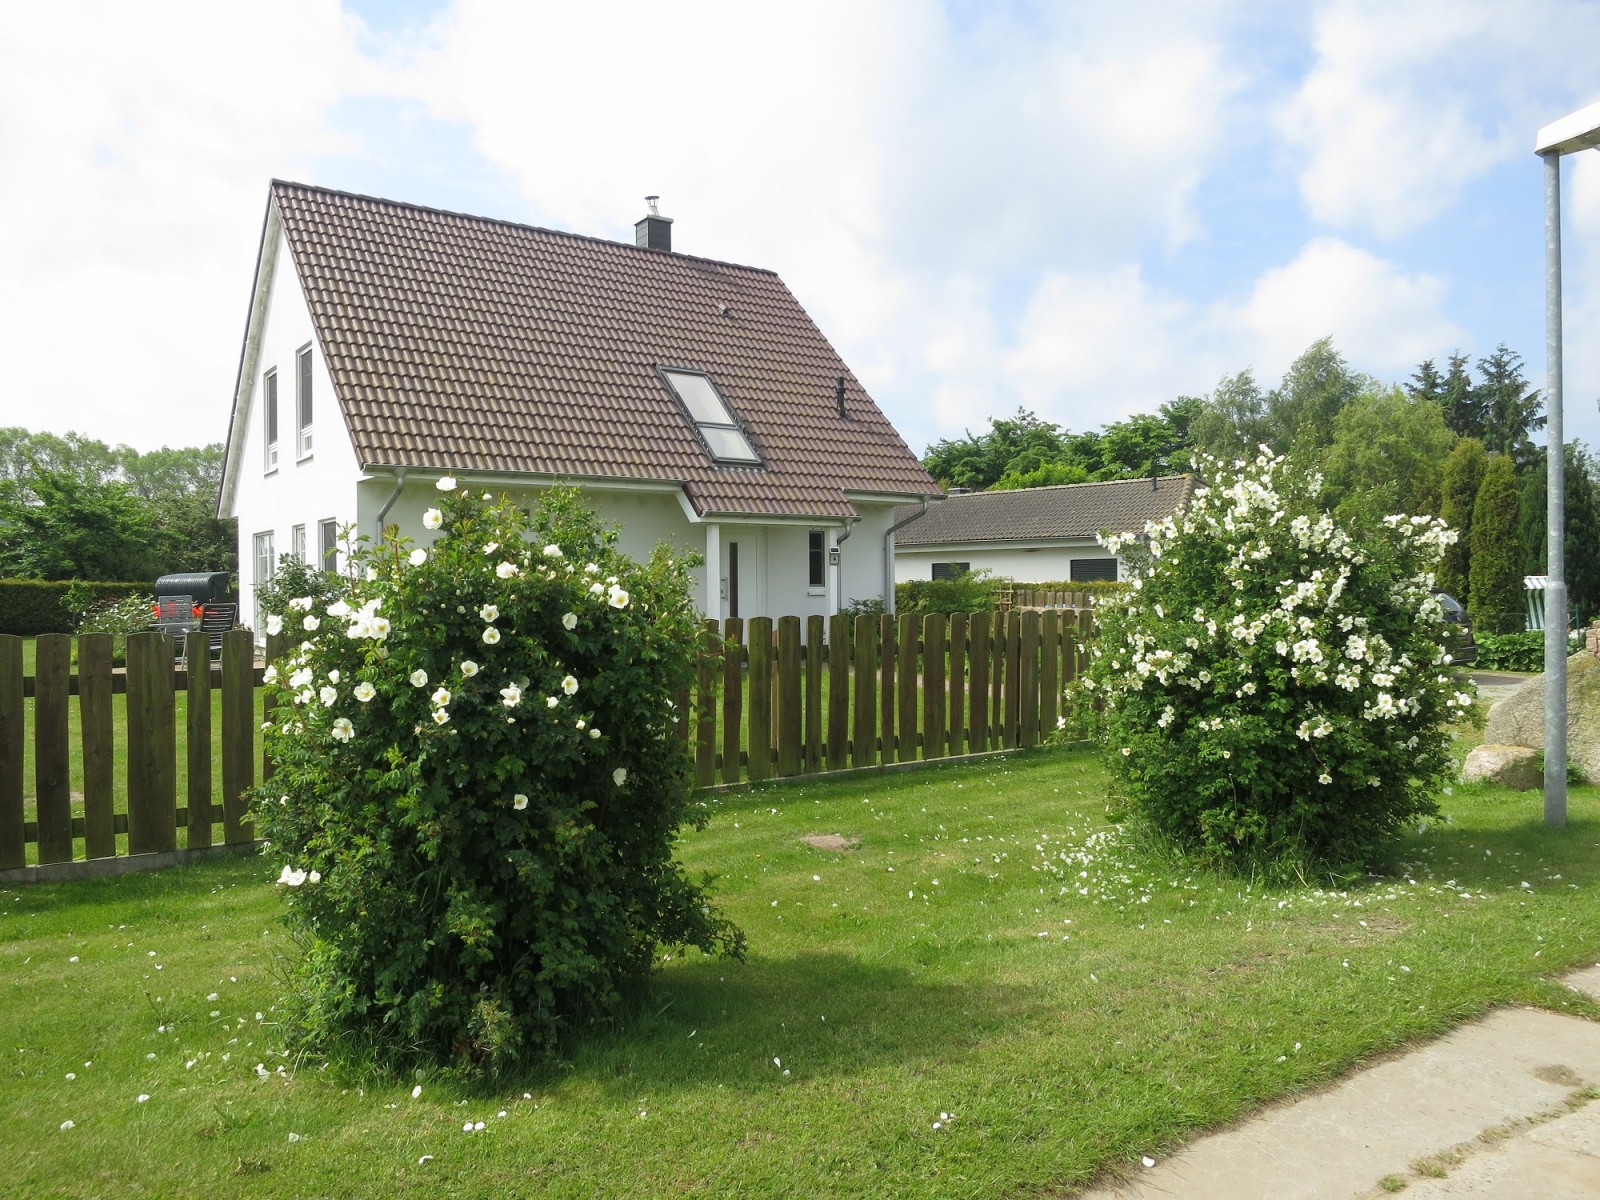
x=1510 y=406
x=1232 y=420
x=1582 y=543
x=158 y=474
x=1462 y=476
x=61 y=527
x=1302 y=409
x=1496 y=593
x=1387 y=456
x=977 y=461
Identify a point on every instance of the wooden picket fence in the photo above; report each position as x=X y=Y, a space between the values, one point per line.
x=152 y=818
x=772 y=699
x=876 y=691
x=1012 y=596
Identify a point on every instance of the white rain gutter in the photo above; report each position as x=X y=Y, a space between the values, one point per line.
x=888 y=553
x=399 y=486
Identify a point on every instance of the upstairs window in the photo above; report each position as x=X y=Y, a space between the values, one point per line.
x=712 y=417
x=269 y=418
x=302 y=402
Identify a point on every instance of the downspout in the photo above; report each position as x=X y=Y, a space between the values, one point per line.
x=399 y=486
x=850 y=524
x=888 y=554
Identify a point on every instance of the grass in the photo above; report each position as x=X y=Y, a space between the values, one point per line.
x=995 y=994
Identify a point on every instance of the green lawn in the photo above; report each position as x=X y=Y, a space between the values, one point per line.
x=994 y=995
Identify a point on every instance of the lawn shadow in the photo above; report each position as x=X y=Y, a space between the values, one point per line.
x=1495 y=858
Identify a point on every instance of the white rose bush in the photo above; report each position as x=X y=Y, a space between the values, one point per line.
x=1274 y=690
x=477 y=767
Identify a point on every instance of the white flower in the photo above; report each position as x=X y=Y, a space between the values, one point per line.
x=440 y=698
x=300 y=677
x=301 y=604
x=446 y=483
x=519 y=802
x=468 y=668
x=328 y=695
x=311 y=623
x=506 y=570
x=597 y=589
x=440 y=716
x=489 y=613
x=619 y=776
x=511 y=695
x=270 y=675
x=491 y=547
x=291 y=876
x=616 y=597
x=552 y=551
x=569 y=685
x=418 y=557
x=338 y=609
x=569 y=620
x=274 y=624
x=1324 y=778
x=491 y=636
x=432 y=519
x=552 y=701
x=343 y=731
x=333 y=675
x=311 y=877
x=419 y=678
x=365 y=691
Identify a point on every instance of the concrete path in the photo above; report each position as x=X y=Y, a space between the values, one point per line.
x=1494 y=1110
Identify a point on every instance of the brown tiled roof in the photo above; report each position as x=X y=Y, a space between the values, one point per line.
x=465 y=344
x=1074 y=510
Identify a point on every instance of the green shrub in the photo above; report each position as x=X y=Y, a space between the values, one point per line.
x=969 y=591
x=1274 y=687
x=130 y=614
x=295 y=579
x=1521 y=651
x=478 y=787
x=30 y=607
x=1498 y=601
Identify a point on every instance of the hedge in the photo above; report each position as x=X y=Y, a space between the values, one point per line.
x=33 y=606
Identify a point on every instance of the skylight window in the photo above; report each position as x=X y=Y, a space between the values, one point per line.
x=712 y=417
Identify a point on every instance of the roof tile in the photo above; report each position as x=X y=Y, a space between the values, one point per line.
x=1073 y=510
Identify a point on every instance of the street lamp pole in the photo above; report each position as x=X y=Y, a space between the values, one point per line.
x=1577 y=131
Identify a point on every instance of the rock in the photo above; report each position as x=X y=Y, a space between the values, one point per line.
x=1518 y=720
x=1515 y=767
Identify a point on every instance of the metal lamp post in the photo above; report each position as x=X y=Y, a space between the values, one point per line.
x=1577 y=131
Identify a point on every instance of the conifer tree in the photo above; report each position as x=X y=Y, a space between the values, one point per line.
x=1495 y=572
x=1463 y=473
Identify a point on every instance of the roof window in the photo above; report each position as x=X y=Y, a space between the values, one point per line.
x=711 y=416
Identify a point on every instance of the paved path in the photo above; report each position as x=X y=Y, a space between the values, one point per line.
x=1494 y=1110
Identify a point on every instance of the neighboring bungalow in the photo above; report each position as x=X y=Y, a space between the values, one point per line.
x=1035 y=535
x=693 y=401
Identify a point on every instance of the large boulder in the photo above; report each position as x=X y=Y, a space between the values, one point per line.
x=1518 y=720
x=1514 y=767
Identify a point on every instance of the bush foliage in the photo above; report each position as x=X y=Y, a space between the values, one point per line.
x=1274 y=687
x=478 y=787
x=33 y=606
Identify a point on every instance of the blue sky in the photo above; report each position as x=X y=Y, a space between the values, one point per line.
x=1081 y=208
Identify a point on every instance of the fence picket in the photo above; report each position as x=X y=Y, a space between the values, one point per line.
x=791 y=746
x=1028 y=680
x=238 y=734
x=94 y=719
x=759 y=646
x=979 y=653
x=999 y=732
x=198 y=749
x=52 y=674
x=958 y=682
x=864 y=751
x=886 y=689
x=13 y=835
x=732 y=696
x=906 y=741
x=838 y=691
x=933 y=686
x=152 y=745
x=1049 y=671
x=815 y=651
x=705 y=758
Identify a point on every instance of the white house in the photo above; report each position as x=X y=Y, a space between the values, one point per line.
x=693 y=401
x=1036 y=535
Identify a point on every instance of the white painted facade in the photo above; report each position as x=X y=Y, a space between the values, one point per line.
x=1023 y=562
x=272 y=499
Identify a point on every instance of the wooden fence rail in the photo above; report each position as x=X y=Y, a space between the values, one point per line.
x=771 y=699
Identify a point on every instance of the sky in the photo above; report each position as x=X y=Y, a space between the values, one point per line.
x=1084 y=209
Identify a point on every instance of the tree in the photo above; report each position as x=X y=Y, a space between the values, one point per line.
x=1462 y=476
x=1496 y=592
x=1231 y=422
x=1510 y=406
x=977 y=461
x=1387 y=456
x=1315 y=388
x=61 y=527
x=1582 y=543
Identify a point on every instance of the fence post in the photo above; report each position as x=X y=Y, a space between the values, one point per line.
x=705 y=763
x=1028 y=681
x=838 y=691
x=933 y=687
x=886 y=691
x=791 y=748
x=999 y=730
x=815 y=650
x=94 y=719
x=958 y=682
x=52 y=687
x=906 y=742
x=732 y=696
x=1049 y=671
x=152 y=745
x=238 y=733
x=198 y=729
x=13 y=847
x=978 y=652
x=865 y=747
x=759 y=644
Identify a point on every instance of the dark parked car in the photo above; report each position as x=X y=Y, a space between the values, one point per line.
x=1463 y=647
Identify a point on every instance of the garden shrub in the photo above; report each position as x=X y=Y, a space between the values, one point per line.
x=295 y=579
x=478 y=787
x=1521 y=651
x=34 y=606
x=1274 y=688
x=968 y=592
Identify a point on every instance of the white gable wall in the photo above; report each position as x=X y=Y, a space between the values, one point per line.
x=1022 y=562
x=300 y=491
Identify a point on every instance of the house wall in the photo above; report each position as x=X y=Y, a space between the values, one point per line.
x=1023 y=564
x=299 y=491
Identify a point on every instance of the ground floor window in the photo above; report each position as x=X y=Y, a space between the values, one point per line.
x=1085 y=570
x=328 y=545
x=263 y=564
x=818 y=556
x=950 y=570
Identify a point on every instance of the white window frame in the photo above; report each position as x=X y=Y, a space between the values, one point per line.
x=297 y=542
x=719 y=426
x=328 y=545
x=269 y=420
x=263 y=565
x=304 y=411
x=816 y=553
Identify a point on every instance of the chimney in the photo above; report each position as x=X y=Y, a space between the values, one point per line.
x=653 y=231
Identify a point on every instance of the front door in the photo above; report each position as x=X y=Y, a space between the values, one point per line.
x=733 y=579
